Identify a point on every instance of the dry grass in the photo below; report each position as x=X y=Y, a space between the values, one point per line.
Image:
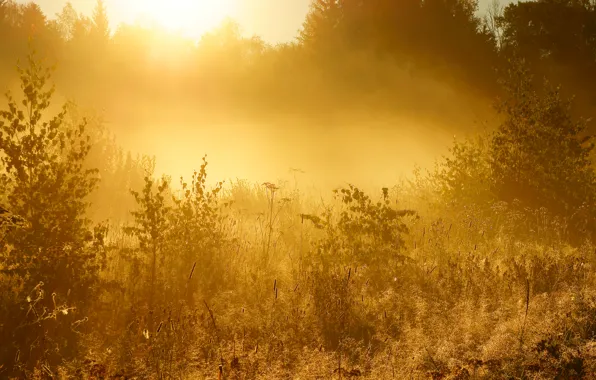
x=460 y=297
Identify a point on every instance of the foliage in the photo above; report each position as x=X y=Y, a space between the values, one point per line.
x=339 y=40
x=197 y=237
x=101 y=27
x=365 y=233
x=491 y=277
x=557 y=38
x=45 y=183
x=538 y=157
x=150 y=229
x=465 y=176
x=541 y=155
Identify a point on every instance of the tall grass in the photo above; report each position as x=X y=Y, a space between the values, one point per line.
x=258 y=282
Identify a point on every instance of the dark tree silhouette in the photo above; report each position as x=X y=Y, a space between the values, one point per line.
x=558 y=40
x=540 y=155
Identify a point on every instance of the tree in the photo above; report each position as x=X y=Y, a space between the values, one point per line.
x=10 y=13
x=46 y=184
x=464 y=177
x=320 y=26
x=539 y=158
x=540 y=155
x=3 y=6
x=196 y=236
x=33 y=19
x=66 y=21
x=562 y=30
x=81 y=32
x=101 y=23
x=150 y=228
x=557 y=38
x=444 y=37
x=493 y=21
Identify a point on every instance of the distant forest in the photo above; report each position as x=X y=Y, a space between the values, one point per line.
x=346 y=55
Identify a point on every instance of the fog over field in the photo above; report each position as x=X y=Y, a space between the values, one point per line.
x=329 y=189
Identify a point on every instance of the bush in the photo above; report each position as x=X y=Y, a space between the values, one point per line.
x=45 y=183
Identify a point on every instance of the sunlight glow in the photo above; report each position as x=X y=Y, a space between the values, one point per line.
x=192 y=18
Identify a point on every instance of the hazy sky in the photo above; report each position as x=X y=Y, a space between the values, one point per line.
x=274 y=20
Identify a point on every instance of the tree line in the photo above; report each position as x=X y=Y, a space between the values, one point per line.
x=345 y=51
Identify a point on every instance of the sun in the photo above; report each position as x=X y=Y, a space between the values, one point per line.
x=190 y=17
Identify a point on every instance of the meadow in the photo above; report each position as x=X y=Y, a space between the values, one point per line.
x=480 y=266
x=434 y=277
